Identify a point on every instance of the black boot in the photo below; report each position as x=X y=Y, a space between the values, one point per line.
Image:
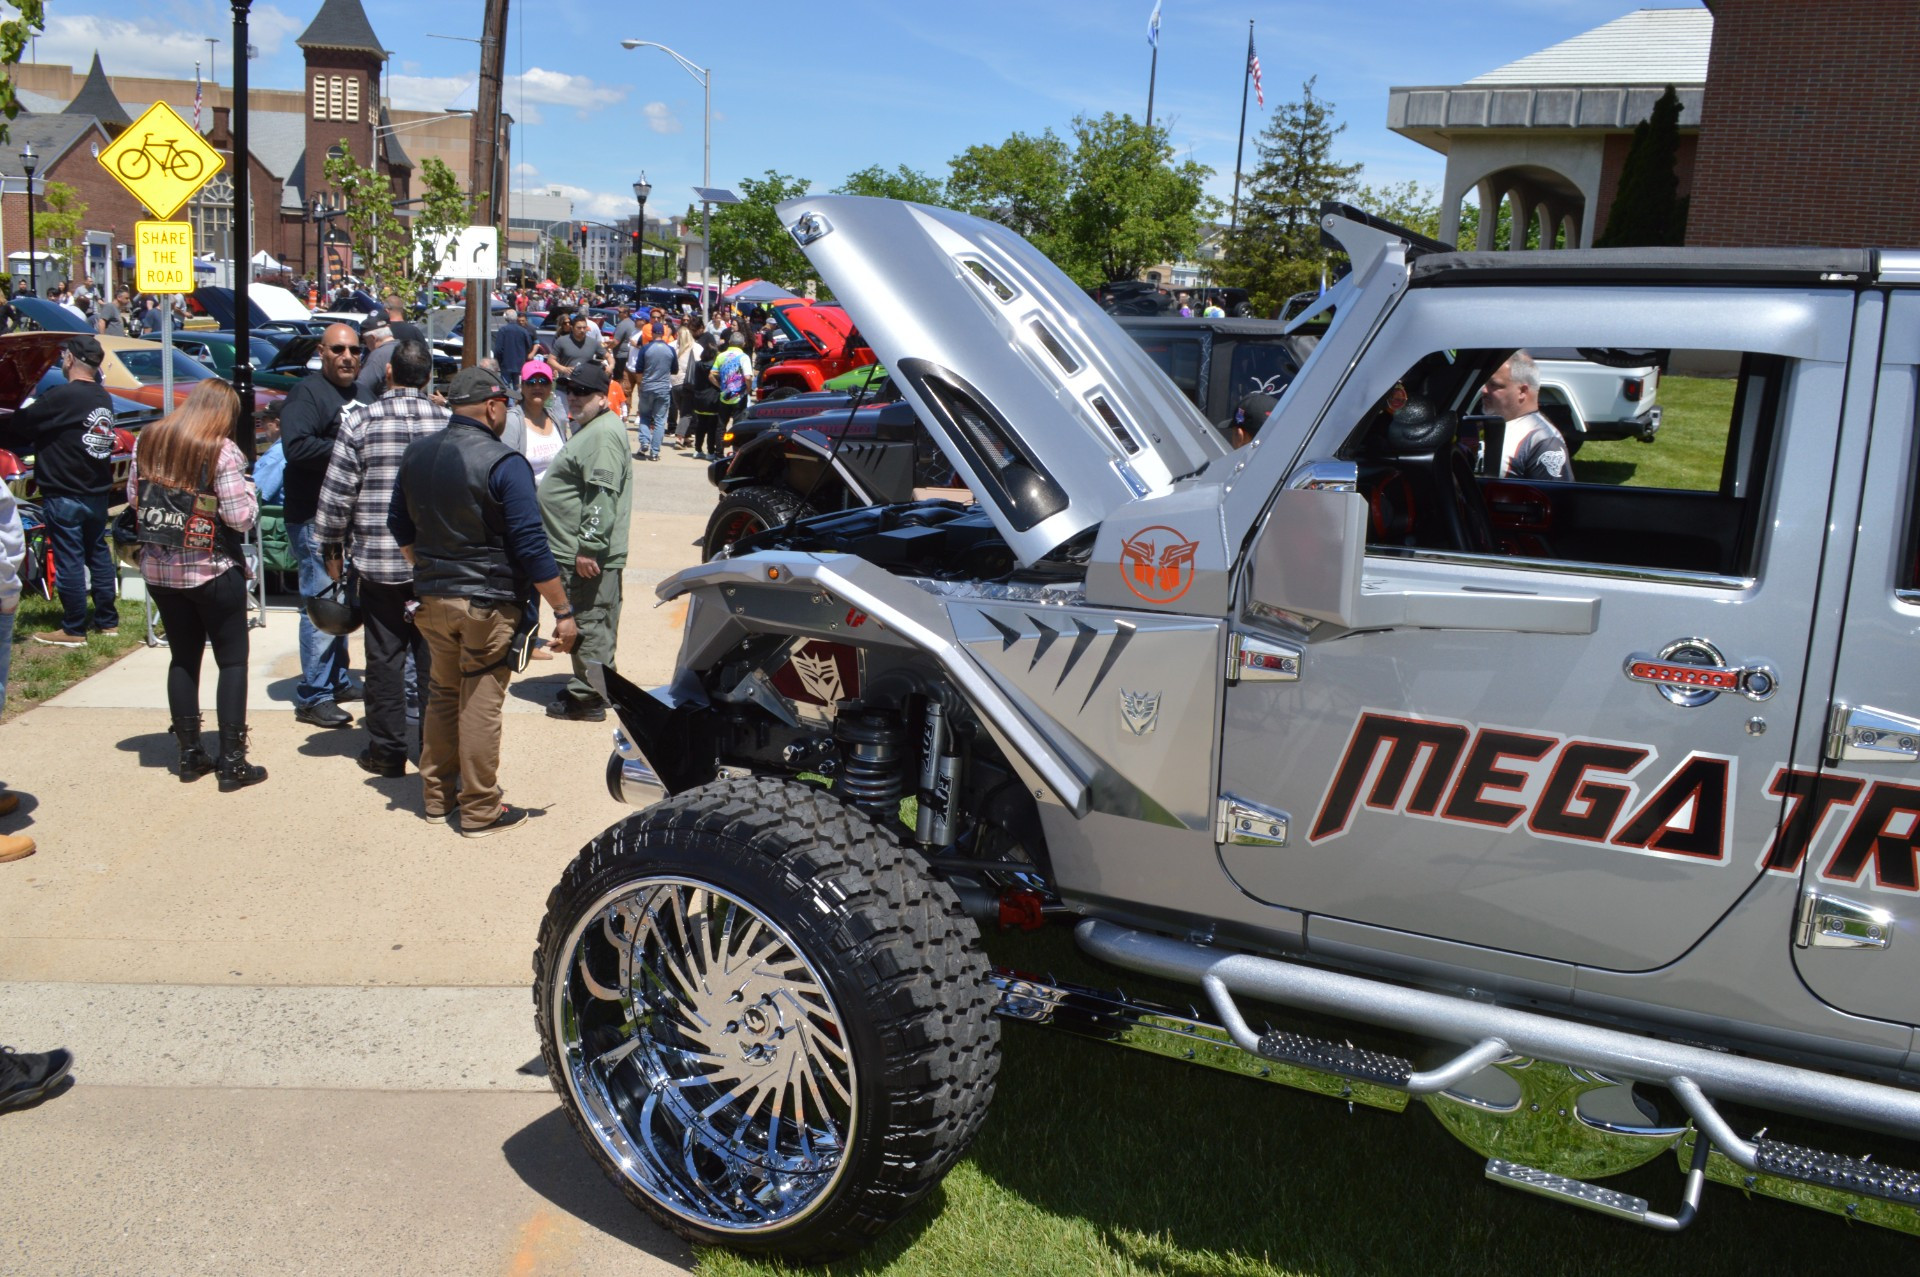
x=235 y=771
x=195 y=762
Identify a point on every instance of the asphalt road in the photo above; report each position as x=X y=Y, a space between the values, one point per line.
x=300 y=1013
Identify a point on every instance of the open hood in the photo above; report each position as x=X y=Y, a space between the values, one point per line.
x=1054 y=416
x=50 y=317
x=824 y=328
x=263 y=309
x=24 y=359
x=293 y=356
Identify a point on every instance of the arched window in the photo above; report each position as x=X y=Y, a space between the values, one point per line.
x=211 y=214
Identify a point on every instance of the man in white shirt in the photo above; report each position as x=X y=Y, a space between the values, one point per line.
x=1531 y=447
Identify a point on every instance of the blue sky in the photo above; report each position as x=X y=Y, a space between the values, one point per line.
x=820 y=90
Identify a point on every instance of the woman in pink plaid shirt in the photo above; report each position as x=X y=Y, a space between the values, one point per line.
x=193 y=481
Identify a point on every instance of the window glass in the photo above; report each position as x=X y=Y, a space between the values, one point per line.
x=1629 y=458
x=144 y=365
x=1253 y=364
x=1178 y=357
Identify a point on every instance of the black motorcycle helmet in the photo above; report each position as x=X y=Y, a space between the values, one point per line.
x=335 y=610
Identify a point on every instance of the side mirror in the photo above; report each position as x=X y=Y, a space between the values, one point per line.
x=1310 y=552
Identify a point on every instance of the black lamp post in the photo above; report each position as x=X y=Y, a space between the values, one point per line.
x=641 y=189
x=29 y=161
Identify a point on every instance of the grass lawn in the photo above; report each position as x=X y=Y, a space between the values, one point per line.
x=1098 y=1160
x=39 y=671
x=1687 y=453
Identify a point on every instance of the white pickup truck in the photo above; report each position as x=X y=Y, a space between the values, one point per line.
x=1591 y=400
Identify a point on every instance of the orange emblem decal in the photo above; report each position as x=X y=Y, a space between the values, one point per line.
x=1157 y=564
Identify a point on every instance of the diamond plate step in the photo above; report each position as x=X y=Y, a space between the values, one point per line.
x=1574 y=1192
x=1342 y=1058
x=1852 y=1174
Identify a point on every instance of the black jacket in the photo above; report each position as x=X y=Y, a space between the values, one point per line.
x=309 y=420
x=69 y=431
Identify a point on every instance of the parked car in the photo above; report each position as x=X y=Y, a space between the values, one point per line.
x=1583 y=812
x=1589 y=400
x=821 y=343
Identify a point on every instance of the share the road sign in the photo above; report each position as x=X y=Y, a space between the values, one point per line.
x=163 y=257
x=161 y=160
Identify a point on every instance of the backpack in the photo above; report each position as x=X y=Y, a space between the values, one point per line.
x=733 y=378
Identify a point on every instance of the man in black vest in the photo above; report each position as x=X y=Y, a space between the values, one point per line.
x=465 y=515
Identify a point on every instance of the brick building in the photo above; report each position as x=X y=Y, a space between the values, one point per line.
x=1797 y=124
x=1809 y=133
x=68 y=117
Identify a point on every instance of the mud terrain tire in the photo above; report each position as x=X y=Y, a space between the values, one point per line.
x=745 y=511
x=753 y=947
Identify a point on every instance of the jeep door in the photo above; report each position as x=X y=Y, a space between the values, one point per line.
x=1851 y=825
x=1513 y=748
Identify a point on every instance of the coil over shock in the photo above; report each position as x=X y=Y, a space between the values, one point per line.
x=872 y=759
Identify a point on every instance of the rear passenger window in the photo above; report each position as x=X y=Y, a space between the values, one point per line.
x=1636 y=459
x=1178 y=357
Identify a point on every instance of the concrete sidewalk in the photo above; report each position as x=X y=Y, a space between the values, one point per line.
x=300 y=1013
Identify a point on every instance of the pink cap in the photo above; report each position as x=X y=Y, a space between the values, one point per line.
x=536 y=368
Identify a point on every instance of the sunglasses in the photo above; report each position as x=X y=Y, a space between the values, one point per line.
x=538 y=381
x=344 y=350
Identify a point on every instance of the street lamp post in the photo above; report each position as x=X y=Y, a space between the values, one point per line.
x=705 y=76
x=641 y=189
x=29 y=161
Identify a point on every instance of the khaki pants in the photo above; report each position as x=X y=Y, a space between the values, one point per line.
x=596 y=610
x=460 y=732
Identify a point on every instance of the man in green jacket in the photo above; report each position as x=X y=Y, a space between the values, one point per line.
x=586 y=504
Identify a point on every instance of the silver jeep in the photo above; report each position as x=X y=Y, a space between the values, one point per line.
x=1589 y=809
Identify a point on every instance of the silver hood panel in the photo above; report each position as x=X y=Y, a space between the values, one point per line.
x=1052 y=413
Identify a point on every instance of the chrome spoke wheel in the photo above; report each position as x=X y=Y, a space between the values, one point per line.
x=706 y=1053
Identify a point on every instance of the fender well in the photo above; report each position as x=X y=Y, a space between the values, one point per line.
x=814 y=595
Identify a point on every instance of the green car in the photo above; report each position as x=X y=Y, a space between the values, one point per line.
x=276 y=365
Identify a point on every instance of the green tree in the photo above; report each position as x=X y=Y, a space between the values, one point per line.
x=749 y=241
x=382 y=241
x=1131 y=206
x=1410 y=204
x=59 y=219
x=1021 y=184
x=1647 y=208
x=902 y=183
x=563 y=264
x=15 y=32
x=1275 y=251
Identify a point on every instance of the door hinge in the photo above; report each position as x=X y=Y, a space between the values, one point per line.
x=1240 y=822
x=1828 y=922
x=1258 y=660
x=1862 y=734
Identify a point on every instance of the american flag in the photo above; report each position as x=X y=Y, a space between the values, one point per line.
x=1253 y=69
x=196 y=97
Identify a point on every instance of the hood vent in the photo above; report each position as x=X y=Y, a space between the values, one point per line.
x=1017 y=482
x=1121 y=434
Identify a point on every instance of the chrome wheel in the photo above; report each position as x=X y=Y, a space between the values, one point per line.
x=706 y=1054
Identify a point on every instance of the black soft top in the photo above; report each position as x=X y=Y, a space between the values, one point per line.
x=1647 y=265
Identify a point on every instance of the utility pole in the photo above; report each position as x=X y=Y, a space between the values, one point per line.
x=483 y=168
x=242 y=240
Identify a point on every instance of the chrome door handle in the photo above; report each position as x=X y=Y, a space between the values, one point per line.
x=1691 y=671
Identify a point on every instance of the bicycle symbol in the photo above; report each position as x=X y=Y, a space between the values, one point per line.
x=184 y=166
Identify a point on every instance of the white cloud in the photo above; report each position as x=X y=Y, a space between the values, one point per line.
x=604 y=206
x=660 y=118
x=557 y=88
x=524 y=169
x=428 y=92
x=165 y=47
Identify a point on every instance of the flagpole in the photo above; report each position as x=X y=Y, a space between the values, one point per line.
x=1153 y=70
x=1246 y=74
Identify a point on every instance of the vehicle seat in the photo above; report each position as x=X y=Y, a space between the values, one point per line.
x=1426 y=482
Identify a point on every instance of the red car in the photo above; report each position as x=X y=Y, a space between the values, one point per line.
x=827 y=332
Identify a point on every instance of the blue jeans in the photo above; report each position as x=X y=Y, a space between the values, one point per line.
x=653 y=419
x=323 y=656
x=77 y=530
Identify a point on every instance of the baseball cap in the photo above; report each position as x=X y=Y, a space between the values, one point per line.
x=587 y=378
x=476 y=385
x=373 y=323
x=86 y=349
x=536 y=368
x=1253 y=410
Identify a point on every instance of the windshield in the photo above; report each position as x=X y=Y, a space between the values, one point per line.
x=143 y=364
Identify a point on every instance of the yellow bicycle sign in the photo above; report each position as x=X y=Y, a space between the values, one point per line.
x=161 y=160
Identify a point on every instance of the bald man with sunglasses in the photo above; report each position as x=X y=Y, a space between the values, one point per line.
x=309 y=421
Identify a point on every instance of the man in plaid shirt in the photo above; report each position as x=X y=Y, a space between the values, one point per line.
x=352 y=514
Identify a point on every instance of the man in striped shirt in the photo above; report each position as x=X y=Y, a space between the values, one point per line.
x=354 y=499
